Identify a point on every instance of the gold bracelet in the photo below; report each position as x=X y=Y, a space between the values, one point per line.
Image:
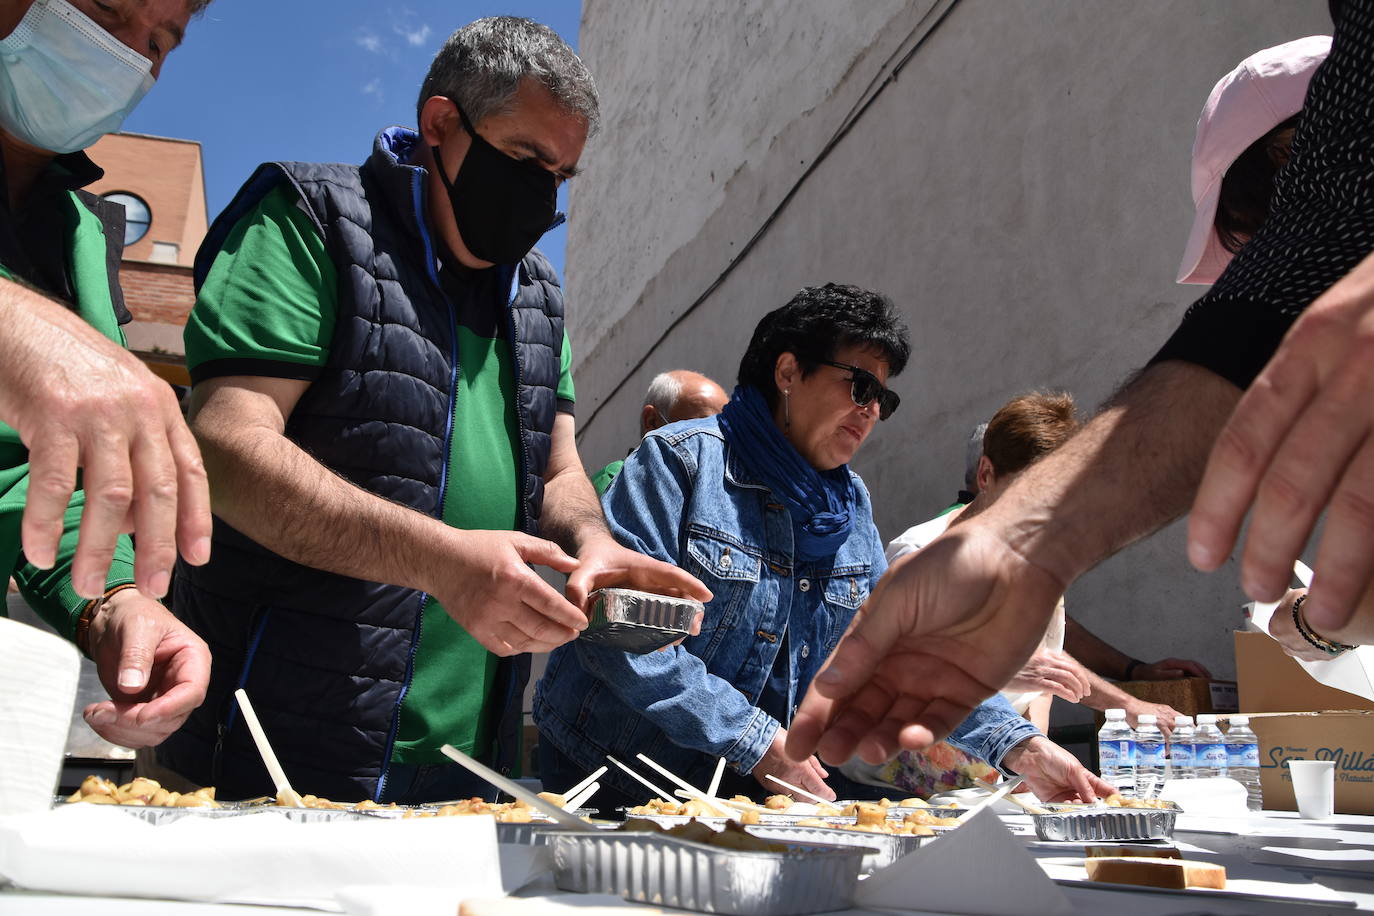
x=83 y=623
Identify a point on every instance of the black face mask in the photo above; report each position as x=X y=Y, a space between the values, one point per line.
x=502 y=205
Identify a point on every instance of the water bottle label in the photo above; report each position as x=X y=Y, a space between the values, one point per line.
x=1181 y=755
x=1213 y=756
x=1109 y=754
x=1128 y=757
x=1149 y=754
x=1242 y=755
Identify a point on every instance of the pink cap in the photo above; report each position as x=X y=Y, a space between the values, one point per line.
x=1264 y=91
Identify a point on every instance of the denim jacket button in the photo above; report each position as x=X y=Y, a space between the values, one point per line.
x=725 y=561
x=804 y=584
x=806 y=650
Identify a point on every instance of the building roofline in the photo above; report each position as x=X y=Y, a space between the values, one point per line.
x=132 y=133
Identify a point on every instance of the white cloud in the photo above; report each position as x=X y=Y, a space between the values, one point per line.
x=369 y=41
x=414 y=37
x=374 y=89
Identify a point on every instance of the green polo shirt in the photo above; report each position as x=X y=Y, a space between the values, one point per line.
x=81 y=238
x=268 y=307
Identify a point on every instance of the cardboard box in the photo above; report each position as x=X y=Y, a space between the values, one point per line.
x=1189 y=695
x=1345 y=736
x=1271 y=681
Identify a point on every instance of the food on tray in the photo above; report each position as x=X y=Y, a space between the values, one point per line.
x=732 y=836
x=867 y=813
x=778 y=802
x=927 y=819
x=553 y=798
x=1120 y=801
x=894 y=828
x=1123 y=850
x=1171 y=873
x=141 y=791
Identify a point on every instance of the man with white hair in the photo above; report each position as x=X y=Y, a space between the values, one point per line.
x=680 y=394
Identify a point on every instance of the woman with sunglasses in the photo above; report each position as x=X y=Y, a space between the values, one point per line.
x=760 y=504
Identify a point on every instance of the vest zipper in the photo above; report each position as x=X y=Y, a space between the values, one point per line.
x=416 y=189
x=226 y=724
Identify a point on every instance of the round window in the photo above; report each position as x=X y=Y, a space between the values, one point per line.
x=137 y=216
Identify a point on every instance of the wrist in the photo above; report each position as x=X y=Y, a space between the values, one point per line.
x=1131 y=668
x=95 y=616
x=1021 y=757
x=1329 y=646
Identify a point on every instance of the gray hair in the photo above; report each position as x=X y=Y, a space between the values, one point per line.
x=973 y=450
x=663 y=393
x=481 y=65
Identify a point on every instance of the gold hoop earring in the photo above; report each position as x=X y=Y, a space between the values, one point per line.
x=787 y=408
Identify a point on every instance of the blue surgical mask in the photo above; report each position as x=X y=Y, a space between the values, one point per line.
x=65 y=81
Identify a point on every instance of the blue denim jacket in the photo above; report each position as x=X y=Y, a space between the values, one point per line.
x=683 y=498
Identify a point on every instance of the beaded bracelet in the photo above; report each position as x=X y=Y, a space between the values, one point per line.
x=1330 y=647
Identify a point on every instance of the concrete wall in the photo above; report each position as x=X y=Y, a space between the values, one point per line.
x=1021 y=190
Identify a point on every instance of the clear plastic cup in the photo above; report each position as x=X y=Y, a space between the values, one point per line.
x=1314 y=788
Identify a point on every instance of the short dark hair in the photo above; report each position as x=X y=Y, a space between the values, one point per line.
x=1248 y=186
x=815 y=324
x=1027 y=428
x=482 y=65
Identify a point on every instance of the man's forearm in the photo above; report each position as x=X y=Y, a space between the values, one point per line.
x=1096 y=655
x=1130 y=471
x=266 y=487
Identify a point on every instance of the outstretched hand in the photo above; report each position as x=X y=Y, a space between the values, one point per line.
x=944 y=629
x=153 y=666
x=1299 y=444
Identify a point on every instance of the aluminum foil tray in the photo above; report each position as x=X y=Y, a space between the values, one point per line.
x=679 y=873
x=637 y=621
x=1079 y=824
x=881 y=849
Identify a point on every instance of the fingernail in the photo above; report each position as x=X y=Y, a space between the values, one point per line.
x=159 y=582
x=200 y=551
x=101 y=716
x=94 y=586
x=130 y=679
x=831 y=675
x=1200 y=556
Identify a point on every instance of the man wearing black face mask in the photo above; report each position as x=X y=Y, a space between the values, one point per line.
x=383 y=396
x=70 y=396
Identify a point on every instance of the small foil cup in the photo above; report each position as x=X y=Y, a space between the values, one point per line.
x=636 y=621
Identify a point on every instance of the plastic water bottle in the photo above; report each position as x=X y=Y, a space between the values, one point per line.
x=1209 y=747
x=1180 y=747
x=1149 y=756
x=1116 y=751
x=1242 y=760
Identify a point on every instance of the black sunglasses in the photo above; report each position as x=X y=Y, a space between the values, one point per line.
x=864 y=387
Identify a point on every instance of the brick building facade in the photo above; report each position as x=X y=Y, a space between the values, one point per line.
x=161 y=181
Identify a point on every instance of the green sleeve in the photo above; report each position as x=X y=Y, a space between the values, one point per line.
x=565 y=379
x=49 y=591
x=269 y=300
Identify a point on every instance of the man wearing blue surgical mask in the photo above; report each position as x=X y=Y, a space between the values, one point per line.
x=384 y=398
x=70 y=396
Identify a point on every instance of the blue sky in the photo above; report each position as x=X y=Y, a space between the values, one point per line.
x=310 y=80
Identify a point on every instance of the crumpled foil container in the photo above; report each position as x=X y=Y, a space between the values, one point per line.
x=1079 y=824
x=880 y=849
x=636 y=621
x=694 y=876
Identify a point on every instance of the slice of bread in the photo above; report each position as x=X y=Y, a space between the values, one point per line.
x=1171 y=873
x=1125 y=850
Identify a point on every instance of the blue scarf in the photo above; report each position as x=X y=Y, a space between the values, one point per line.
x=821 y=502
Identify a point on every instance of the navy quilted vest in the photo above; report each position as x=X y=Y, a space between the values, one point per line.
x=326 y=658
